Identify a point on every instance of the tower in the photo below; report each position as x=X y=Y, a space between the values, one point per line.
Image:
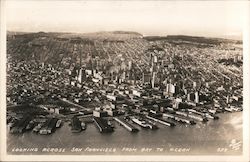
x=79 y=78
x=196 y=97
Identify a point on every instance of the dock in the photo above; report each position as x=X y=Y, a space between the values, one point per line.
x=76 y=125
x=49 y=126
x=184 y=120
x=102 y=125
x=161 y=121
x=182 y=113
x=20 y=125
x=179 y=118
x=52 y=125
x=197 y=117
x=128 y=126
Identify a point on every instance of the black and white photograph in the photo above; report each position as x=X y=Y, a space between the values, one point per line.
x=126 y=78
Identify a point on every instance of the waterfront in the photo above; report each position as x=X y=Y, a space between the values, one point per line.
x=182 y=78
x=212 y=137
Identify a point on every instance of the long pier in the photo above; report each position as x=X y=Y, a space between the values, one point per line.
x=161 y=121
x=197 y=117
x=128 y=126
x=179 y=118
x=74 y=104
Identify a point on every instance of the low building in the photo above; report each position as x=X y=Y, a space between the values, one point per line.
x=100 y=113
x=112 y=112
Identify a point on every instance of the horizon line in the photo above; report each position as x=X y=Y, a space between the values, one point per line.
x=232 y=37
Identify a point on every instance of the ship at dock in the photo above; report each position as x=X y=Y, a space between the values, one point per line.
x=159 y=120
x=144 y=124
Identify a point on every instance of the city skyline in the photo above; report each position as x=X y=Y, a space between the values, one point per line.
x=147 y=17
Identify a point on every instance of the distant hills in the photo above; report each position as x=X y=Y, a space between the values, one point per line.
x=123 y=35
x=196 y=39
x=56 y=47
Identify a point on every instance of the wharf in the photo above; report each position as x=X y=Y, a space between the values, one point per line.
x=76 y=125
x=103 y=125
x=20 y=125
x=179 y=118
x=128 y=126
x=52 y=125
x=197 y=117
x=161 y=121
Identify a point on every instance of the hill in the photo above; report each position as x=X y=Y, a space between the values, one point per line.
x=55 y=48
x=194 y=39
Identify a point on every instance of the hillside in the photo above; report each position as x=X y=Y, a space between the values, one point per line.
x=192 y=39
x=55 y=47
x=58 y=48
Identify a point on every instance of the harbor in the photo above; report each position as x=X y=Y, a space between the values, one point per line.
x=133 y=122
x=165 y=137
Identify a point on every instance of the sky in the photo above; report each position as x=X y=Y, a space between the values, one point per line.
x=206 y=18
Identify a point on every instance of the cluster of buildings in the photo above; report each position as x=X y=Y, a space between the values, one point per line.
x=173 y=77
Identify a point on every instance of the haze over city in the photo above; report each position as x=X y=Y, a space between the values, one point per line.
x=210 y=18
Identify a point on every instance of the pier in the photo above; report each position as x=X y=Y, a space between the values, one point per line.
x=161 y=121
x=179 y=118
x=52 y=125
x=20 y=125
x=102 y=125
x=49 y=126
x=197 y=117
x=76 y=125
x=128 y=126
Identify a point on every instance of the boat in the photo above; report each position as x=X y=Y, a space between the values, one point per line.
x=110 y=124
x=37 y=128
x=234 y=108
x=198 y=117
x=211 y=116
x=43 y=131
x=229 y=109
x=58 y=123
x=142 y=123
x=213 y=111
x=151 y=124
x=83 y=124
